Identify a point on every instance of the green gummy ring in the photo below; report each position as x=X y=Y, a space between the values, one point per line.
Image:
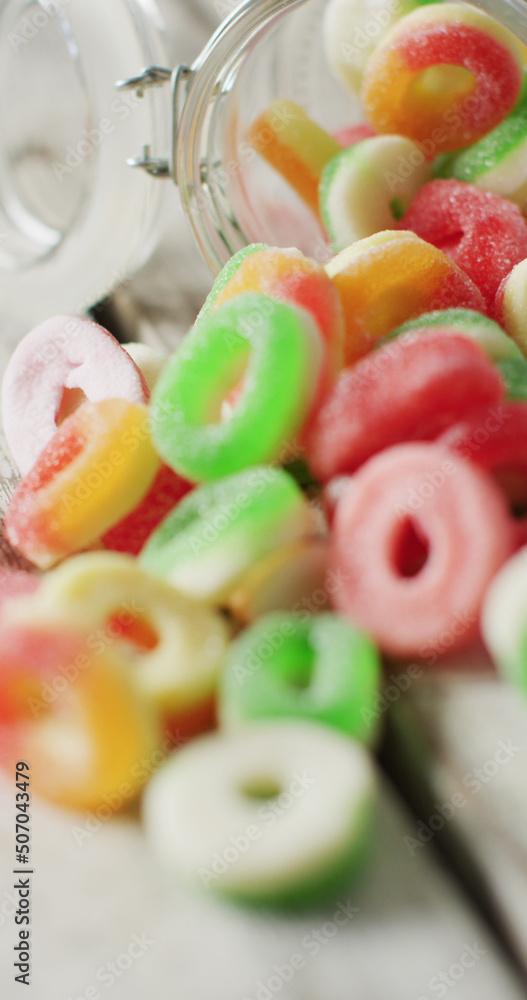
x=484 y=331
x=221 y=529
x=321 y=670
x=276 y=349
x=491 y=154
x=226 y=275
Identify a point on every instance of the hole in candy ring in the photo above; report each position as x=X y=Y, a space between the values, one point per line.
x=444 y=82
x=411 y=549
x=71 y=400
x=514 y=483
x=260 y=788
x=136 y=630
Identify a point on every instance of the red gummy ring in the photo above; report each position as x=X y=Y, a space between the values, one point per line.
x=132 y=533
x=496 y=440
x=410 y=389
x=417 y=538
x=484 y=234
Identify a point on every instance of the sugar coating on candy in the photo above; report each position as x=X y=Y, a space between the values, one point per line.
x=483 y=330
x=210 y=794
x=295 y=146
x=94 y=471
x=510 y=305
x=214 y=536
x=498 y=161
x=444 y=76
x=392 y=277
x=149 y=361
x=418 y=500
x=495 y=438
x=409 y=389
x=484 y=234
x=132 y=533
x=289 y=277
x=15 y=583
x=98 y=715
x=362 y=191
x=324 y=671
x=105 y=593
x=226 y=275
x=277 y=351
x=57 y=365
x=352 y=29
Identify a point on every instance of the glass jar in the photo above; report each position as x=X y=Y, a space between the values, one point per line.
x=85 y=165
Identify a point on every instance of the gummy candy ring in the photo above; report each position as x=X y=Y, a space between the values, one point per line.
x=479 y=328
x=320 y=670
x=418 y=535
x=265 y=786
x=220 y=530
x=409 y=388
x=58 y=691
x=185 y=642
x=93 y=472
x=276 y=350
x=55 y=367
x=444 y=76
x=390 y=278
x=485 y=235
x=498 y=162
x=290 y=277
x=362 y=191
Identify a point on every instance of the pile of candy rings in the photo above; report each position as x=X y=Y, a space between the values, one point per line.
x=331 y=469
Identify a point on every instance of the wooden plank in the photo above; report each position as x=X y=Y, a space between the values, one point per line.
x=458 y=746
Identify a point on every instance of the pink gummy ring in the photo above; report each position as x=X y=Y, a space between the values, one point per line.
x=59 y=364
x=417 y=538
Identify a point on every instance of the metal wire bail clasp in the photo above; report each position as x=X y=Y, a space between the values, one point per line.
x=157 y=76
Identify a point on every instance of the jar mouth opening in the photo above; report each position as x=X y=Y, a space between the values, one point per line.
x=273 y=47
